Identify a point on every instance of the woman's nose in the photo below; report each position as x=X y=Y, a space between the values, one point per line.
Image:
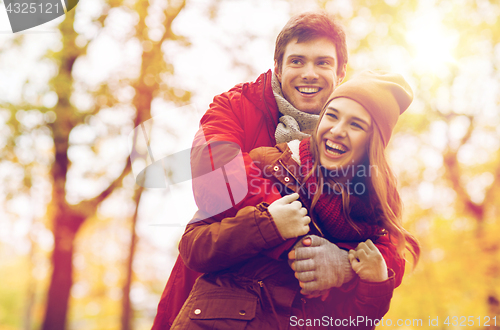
x=338 y=130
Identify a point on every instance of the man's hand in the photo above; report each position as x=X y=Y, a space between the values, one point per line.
x=319 y=265
x=368 y=263
x=289 y=216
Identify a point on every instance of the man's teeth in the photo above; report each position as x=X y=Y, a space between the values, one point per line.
x=308 y=90
x=335 y=147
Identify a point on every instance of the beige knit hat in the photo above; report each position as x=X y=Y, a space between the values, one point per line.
x=383 y=94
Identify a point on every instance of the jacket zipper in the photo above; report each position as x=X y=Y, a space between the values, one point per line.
x=269 y=298
x=304 y=312
x=300 y=187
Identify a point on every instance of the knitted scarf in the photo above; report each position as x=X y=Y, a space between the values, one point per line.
x=294 y=124
x=328 y=211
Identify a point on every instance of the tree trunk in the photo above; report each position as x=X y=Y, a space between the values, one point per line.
x=126 y=319
x=31 y=287
x=62 y=273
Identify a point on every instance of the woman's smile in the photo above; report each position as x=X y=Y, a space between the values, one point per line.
x=335 y=149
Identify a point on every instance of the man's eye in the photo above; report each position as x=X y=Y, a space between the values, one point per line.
x=296 y=62
x=324 y=63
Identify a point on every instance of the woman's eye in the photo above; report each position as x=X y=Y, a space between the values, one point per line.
x=332 y=115
x=357 y=125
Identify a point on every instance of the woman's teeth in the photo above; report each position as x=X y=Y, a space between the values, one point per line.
x=335 y=148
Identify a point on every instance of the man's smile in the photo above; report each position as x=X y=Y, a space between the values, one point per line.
x=308 y=90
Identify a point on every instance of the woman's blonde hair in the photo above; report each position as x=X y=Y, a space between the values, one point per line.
x=382 y=191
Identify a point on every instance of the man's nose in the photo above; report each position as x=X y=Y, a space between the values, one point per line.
x=310 y=72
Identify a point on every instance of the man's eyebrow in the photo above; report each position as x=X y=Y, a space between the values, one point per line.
x=353 y=117
x=319 y=57
x=326 y=58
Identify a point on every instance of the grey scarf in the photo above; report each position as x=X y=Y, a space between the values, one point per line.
x=294 y=124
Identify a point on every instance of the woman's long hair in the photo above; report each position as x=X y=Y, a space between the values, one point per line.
x=382 y=191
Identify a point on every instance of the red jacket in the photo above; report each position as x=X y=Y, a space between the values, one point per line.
x=248 y=116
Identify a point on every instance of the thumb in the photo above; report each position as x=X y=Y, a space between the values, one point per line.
x=316 y=240
x=288 y=199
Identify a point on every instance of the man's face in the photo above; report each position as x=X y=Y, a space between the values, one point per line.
x=308 y=74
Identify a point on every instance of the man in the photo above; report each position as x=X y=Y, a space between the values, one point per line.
x=310 y=62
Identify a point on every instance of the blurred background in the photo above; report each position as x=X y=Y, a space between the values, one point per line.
x=80 y=240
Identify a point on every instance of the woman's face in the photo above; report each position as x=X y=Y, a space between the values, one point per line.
x=343 y=134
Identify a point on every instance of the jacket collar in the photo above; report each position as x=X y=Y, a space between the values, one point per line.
x=260 y=94
x=254 y=91
x=286 y=167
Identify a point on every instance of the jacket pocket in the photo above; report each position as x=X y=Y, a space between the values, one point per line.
x=222 y=310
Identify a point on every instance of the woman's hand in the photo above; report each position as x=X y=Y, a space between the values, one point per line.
x=368 y=262
x=289 y=216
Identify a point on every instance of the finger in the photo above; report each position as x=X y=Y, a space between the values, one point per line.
x=310 y=296
x=303 y=211
x=291 y=255
x=304 y=265
x=325 y=295
x=305 y=276
x=370 y=245
x=317 y=241
x=362 y=255
x=307 y=220
x=309 y=286
x=296 y=204
x=306 y=241
x=305 y=230
x=306 y=252
x=352 y=256
x=362 y=246
x=288 y=198
x=292 y=266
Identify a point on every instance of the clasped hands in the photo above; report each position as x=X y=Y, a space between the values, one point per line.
x=320 y=265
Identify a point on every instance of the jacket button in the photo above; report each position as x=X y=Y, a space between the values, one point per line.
x=242 y=312
x=287 y=179
x=197 y=311
x=276 y=168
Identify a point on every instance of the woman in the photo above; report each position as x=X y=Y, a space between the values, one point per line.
x=341 y=174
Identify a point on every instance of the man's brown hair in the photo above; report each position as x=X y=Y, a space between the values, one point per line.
x=309 y=26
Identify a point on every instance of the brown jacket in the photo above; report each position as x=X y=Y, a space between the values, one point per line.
x=244 y=288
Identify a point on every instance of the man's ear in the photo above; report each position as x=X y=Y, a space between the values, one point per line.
x=342 y=74
x=277 y=71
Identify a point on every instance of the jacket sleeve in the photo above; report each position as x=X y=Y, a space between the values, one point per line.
x=392 y=259
x=210 y=245
x=372 y=300
x=233 y=223
x=368 y=302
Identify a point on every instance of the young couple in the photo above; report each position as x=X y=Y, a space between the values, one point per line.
x=259 y=269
